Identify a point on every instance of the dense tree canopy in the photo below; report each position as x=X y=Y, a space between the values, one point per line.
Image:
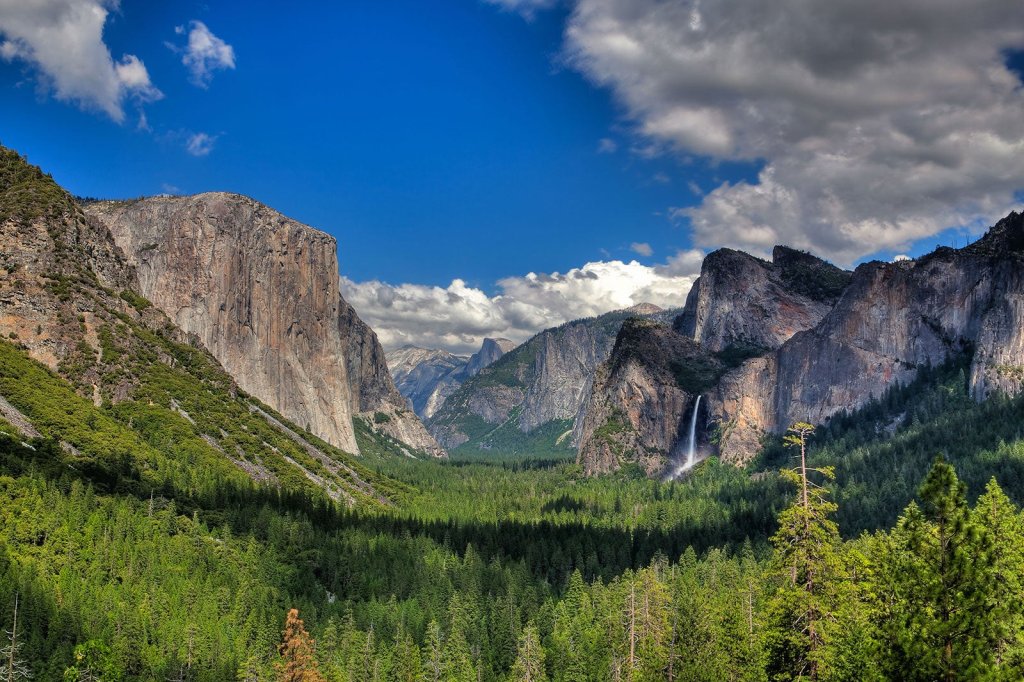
x=139 y=555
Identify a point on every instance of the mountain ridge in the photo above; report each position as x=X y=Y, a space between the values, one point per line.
x=538 y=387
x=797 y=339
x=132 y=399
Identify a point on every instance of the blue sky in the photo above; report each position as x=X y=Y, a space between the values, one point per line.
x=434 y=140
x=493 y=167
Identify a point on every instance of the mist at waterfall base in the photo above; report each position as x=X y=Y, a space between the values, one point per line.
x=691 y=448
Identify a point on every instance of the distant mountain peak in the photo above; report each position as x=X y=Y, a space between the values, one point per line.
x=645 y=308
x=1005 y=236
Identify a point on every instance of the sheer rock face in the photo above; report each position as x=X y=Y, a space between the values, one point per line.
x=490 y=351
x=563 y=373
x=742 y=300
x=636 y=412
x=546 y=379
x=740 y=306
x=261 y=292
x=892 y=319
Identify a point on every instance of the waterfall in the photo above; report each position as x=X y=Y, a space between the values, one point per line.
x=691 y=453
x=691 y=446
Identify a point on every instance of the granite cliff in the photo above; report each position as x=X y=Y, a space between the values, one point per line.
x=533 y=395
x=424 y=376
x=261 y=292
x=637 y=410
x=740 y=301
x=799 y=340
x=738 y=311
x=132 y=399
x=892 y=319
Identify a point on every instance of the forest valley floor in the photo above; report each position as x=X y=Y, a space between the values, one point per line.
x=905 y=560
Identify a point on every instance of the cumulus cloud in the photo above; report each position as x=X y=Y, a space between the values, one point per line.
x=204 y=54
x=200 y=144
x=458 y=317
x=877 y=122
x=641 y=248
x=62 y=40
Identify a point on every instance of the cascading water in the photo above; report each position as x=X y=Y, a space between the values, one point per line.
x=691 y=453
x=691 y=445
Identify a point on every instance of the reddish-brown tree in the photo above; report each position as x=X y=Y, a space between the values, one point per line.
x=297 y=652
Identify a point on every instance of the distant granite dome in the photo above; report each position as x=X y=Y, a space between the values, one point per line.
x=426 y=377
x=540 y=386
x=645 y=308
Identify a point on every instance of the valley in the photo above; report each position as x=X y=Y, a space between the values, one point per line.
x=198 y=434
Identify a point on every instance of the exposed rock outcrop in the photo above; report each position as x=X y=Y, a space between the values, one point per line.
x=639 y=401
x=490 y=351
x=743 y=301
x=62 y=272
x=427 y=377
x=741 y=307
x=261 y=292
x=545 y=380
x=893 y=319
x=822 y=341
x=70 y=299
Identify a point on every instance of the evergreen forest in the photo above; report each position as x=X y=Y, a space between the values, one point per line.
x=887 y=545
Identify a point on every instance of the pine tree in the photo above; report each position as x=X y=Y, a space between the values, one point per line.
x=529 y=665
x=998 y=516
x=935 y=584
x=433 y=654
x=14 y=667
x=297 y=652
x=405 y=659
x=809 y=563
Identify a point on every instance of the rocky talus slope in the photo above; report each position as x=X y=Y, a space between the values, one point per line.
x=261 y=292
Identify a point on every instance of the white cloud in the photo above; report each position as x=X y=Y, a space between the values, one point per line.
x=878 y=122
x=63 y=41
x=458 y=317
x=200 y=144
x=204 y=53
x=525 y=7
x=607 y=145
x=641 y=249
